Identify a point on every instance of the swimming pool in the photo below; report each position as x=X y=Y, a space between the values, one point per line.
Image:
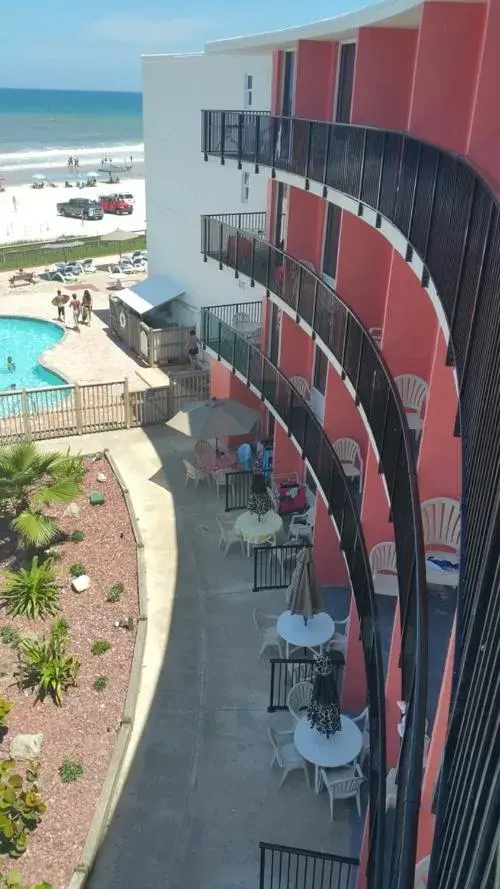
x=25 y=340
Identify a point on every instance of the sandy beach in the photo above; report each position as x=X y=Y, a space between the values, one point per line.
x=29 y=214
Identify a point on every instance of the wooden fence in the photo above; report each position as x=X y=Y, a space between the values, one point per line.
x=58 y=411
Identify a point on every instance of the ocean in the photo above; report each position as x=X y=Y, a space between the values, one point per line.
x=41 y=129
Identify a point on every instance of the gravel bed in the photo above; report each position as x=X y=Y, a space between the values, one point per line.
x=84 y=728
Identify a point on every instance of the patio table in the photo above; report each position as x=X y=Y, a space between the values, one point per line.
x=328 y=753
x=313 y=634
x=255 y=532
x=211 y=462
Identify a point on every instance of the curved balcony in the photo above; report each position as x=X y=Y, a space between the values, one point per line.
x=449 y=216
x=297 y=418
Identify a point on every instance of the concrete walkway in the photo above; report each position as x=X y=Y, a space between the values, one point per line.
x=199 y=796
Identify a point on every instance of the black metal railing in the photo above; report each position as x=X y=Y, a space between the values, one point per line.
x=285 y=867
x=276 y=390
x=241 y=313
x=238 y=489
x=450 y=215
x=273 y=566
x=253 y=223
x=285 y=673
x=341 y=332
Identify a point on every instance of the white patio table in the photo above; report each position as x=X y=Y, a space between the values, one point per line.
x=313 y=634
x=328 y=753
x=255 y=532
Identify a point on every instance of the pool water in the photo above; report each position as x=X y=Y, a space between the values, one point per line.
x=25 y=340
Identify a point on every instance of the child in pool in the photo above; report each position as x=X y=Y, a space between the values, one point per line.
x=11 y=364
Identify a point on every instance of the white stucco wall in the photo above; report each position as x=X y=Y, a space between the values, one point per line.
x=180 y=186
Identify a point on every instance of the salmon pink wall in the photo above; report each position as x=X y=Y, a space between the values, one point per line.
x=447 y=59
x=296 y=349
x=410 y=323
x=220 y=380
x=341 y=417
x=286 y=458
x=383 y=77
x=363 y=269
x=306 y=215
x=316 y=62
x=440 y=454
x=484 y=134
x=328 y=559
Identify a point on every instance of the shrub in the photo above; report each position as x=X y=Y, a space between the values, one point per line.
x=44 y=665
x=21 y=809
x=115 y=592
x=100 y=646
x=70 y=771
x=76 y=536
x=32 y=771
x=100 y=683
x=10 y=636
x=14 y=880
x=77 y=569
x=32 y=592
x=5 y=708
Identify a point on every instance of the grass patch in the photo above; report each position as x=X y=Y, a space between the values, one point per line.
x=115 y=592
x=100 y=646
x=70 y=771
x=77 y=536
x=10 y=636
x=77 y=569
x=100 y=683
x=26 y=256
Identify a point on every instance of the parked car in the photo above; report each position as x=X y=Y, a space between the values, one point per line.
x=125 y=196
x=80 y=208
x=114 y=204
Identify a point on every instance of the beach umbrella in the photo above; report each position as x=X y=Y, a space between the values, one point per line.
x=303 y=595
x=119 y=236
x=323 y=712
x=39 y=177
x=215 y=418
x=61 y=245
x=91 y=175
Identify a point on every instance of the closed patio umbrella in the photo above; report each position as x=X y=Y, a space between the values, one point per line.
x=303 y=595
x=215 y=418
x=323 y=712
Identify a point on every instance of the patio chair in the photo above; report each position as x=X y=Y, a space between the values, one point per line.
x=349 y=453
x=441 y=527
x=302 y=387
x=195 y=474
x=286 y=755
x=228 y=535
x=339 y=640
x=265 y=625
x=302 y=526
x=203 y=447
x=299 y=698
x=391 y=789
x=343 y=783
x=220 y=478
x=376 y=335
x=413 y=392
x=384 y=569
x=239 y=320
x=362 y=721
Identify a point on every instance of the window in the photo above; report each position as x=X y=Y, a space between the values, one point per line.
x=245 y=186
x=345 y=82
x=248 y=90
x=331 y=246
x=320 y=371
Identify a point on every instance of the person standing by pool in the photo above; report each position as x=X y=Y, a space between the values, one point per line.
x=11 y=366
x=87 y=306
x=75 y=308
x=61 y=311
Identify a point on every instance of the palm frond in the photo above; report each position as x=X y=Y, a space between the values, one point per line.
x=61 y=490
x=34 y=528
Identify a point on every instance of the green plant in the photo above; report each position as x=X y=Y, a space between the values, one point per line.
x=45 y=666
x=77 y=569
x=100 y=646
x=31 y=481
x=70 y=771
x=14 y=880
x=115 y=592
x=5 y=708
x=21 y=809
x=10 y=636
x=32 y=771
x=76 y=536
x=32 y=592
x=100 y=683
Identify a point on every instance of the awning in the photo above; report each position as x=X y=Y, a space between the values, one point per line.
x=150 y=294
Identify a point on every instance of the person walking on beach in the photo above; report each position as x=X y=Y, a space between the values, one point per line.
x=14 y=203
x=75 y=308
x=76 y=163
x=70 y=163
x=87 y=306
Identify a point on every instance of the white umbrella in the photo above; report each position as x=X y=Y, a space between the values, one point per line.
x=39 y=177
x=215 y=418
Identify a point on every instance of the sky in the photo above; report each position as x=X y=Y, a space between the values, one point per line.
x=97 y=44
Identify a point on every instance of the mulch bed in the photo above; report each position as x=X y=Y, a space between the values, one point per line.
x=84 y=728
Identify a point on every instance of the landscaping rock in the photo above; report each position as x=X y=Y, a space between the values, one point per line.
x=101 y=477
x=26 y=747
x=96 y=498
x=72 y=510
x=80 y=584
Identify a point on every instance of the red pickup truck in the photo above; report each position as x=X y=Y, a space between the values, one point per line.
x=113 y=204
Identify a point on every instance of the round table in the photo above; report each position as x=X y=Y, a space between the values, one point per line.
x=256 y=532
x=328 y=753
x=313 y=634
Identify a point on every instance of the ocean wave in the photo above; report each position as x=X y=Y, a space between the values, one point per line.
x=51 y=158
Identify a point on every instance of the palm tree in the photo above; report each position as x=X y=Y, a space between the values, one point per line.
x=31 y=481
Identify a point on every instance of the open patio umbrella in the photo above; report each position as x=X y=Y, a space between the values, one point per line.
x=303 y=595
x=39 y=177
x=323 y=712
x=118 y=236
x=215 y=418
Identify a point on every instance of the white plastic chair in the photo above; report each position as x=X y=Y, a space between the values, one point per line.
x=441 y=527
x=349 y=454
x=193 y=473
x=376 y=335
x=299 y=698
x=384 y=569
x=339 y=640
x=228 y=535
x=413 y=392
x=343 y=784
x=265 y=625
x=362 y=721
x=302 y=387
x=302 y=525
x=219 y=477
x=391 y=789
x=239 y=319
x=286 y=755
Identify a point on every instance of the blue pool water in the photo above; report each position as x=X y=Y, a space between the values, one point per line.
x=25 y=340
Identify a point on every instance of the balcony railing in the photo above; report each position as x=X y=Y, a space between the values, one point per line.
x=253 y=223
x=285 y=673
x=273 y=387
x=343 y=334
x=273 y=566
x=284 y=867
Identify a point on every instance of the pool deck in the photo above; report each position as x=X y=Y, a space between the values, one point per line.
x=88 y=356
